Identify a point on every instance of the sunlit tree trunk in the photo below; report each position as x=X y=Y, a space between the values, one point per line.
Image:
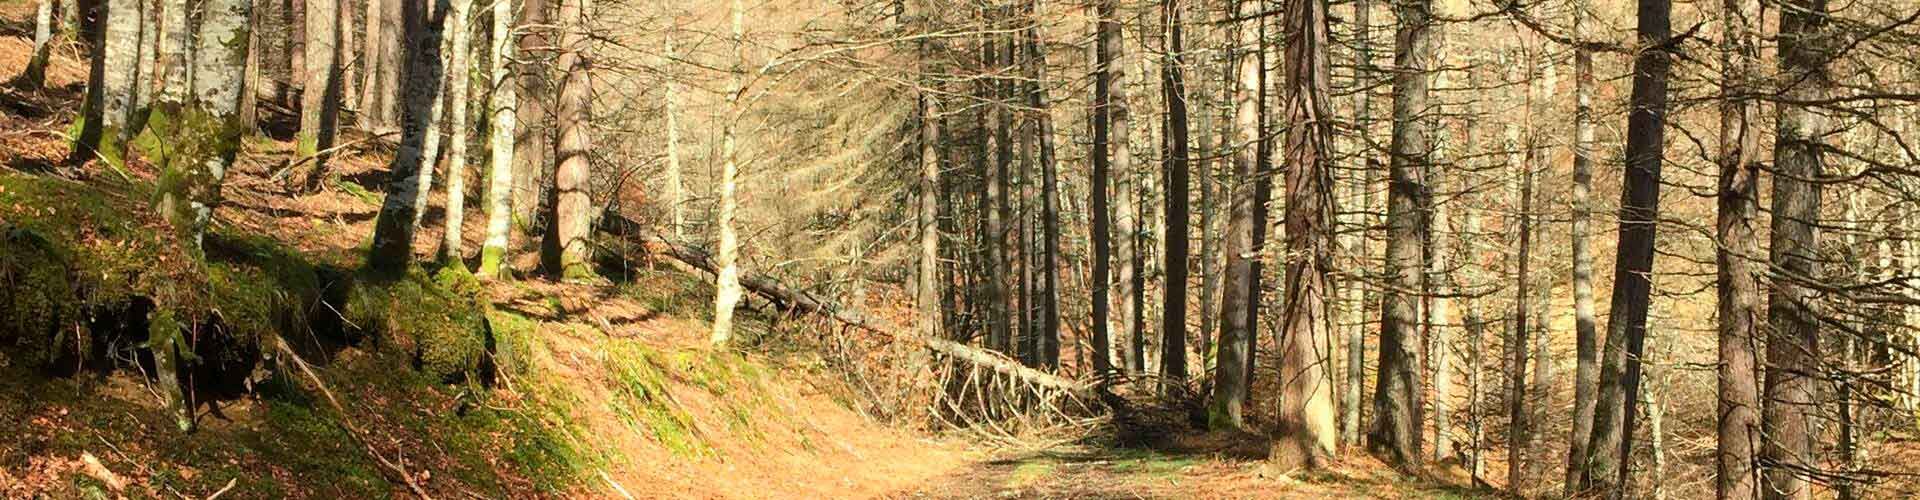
x=1794 y=343
x=458 y=80
x=1036 y=68
x=1395 y=422
x=1101 y=238
x=1307 y=432
x=34 y=75
x=1586 y=378
x=676 y=188
x=126 y=24
x=1126 y=342
x=1236 y=303
x=186 y=201
x=384 y=60
x=533 y=144
x=1633 y=264
x=320 y=99
x=1519 y=420
x=928 y=292
x=727 y=284
x=393 y=231
x=501 y=108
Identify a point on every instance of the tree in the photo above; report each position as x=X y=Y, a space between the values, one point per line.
x=1737 y=285
x=1037 y=101
x=1103 y=166
x=1633 y=263
x=1126 y=223
x=195 y=166
x=320 y=99
x=1395 y=426
x=501 y=107
x=1306 y=421
x=34 y=75
x=928 y=293
x=533 y=144
x=458 y=80
x=1793 y=346
x=1356 y=333
x=380 y=109
x=727 y=279
x=393 y=231
x=1173 y=357
x=1237 y=304
x=1586 y=378
x=1519 y=421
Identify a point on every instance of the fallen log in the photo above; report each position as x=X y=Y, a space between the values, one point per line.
x=806 y=302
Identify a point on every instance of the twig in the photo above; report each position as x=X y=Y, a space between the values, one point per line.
x=353 y=431
x=223 y=491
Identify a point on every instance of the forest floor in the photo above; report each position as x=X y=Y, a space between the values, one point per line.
x=619 y=397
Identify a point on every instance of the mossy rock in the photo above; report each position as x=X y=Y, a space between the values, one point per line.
x=36 y=295
x=439 y=319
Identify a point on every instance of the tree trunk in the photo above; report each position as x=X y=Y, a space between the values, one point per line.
x=1519 y=420
x=1037 y=100
x=1173 y=356
x=34 y=76
x=1113 y=65
x=727 y=279
x=1586 y=378
x=385 y=63
x=1736 y=229
x=1360 y=246
x=533 y=144
x=1633 y=264
x=1103 y=165
x=1794 y=343
x=187 y=205
x=458 y=80
x=676 y=189
x=393 y=232
x=1236 y=303
x=320 y=99
x=1307 y=432
x=501 y=108
x=1395 y=424
x=928 y=292
x=126 y=25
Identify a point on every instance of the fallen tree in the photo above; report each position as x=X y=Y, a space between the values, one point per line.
x=790 y=298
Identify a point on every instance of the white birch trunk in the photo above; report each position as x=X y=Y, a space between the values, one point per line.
x=502 y=107
x=457 y=83
x=727 y=283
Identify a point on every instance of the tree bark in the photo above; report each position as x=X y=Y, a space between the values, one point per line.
x=1738 y=288
x=458 y=81
x=393 y=231
x=727 y=278
x=1236 y=303
x=928 y=292
x=1586 y=378
x=1395 y=423
x=1037 y=100
x=386 y=63
x=1633 y=265
x=1307 y=432
x=1113 y=63
x=1794 y=343
x=320 y=98
x=1356 y=380
x=1103 y=166
x=533 y=144
x=1173 y=356
x=501 y=108
x=34 y=76
x=676 y=188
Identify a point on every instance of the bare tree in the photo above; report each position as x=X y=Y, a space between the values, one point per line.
x=1395 y=423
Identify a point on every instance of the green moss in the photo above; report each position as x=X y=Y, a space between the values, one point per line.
x=357 y=191
x=442 y=317
x=641 y=398
x=516 y=342
x=37 y=296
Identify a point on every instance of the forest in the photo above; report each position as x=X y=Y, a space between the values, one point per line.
x=960 y=249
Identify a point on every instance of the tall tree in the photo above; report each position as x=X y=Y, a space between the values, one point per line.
x=1736 y=230
x=676 y=188
x=1037 y=101
x=1633 y=261
x=1794 y=250
x=534 y=143
x=1237 y=302
x=1586 y=378
x=501 y=107
x=1307 y=433
x=1519 y=421
x=458 y=81
x=393 y=231
x=928 y=292
x=1173 y=357
x=1395 y=424
x=727 y=281
x=1356 y=372
x=569 y=254
x=1113 y=64
x=320 y=98
x=1101 y=237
